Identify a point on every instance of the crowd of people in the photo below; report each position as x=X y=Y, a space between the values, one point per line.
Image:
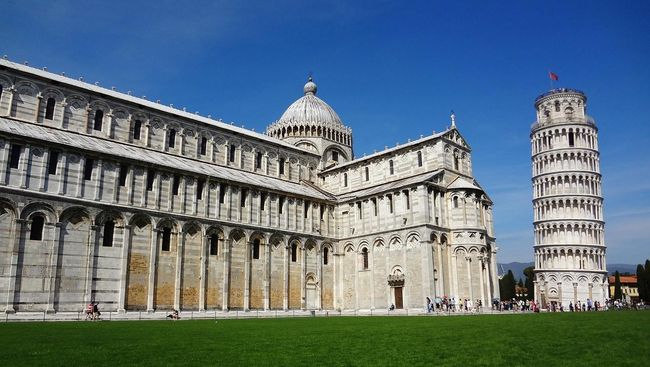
x=452 y=305
x=467 y=305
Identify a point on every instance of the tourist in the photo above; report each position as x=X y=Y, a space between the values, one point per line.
x=89 y=311
x=174 y=315
x=96 y=312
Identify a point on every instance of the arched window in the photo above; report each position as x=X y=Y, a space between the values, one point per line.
x=326 y=252
x=14 y=155
x=49 y=108
x=36 y=231
x=204 y=145
x=99 y=118
x=419 y=159
x=214 y=244
x=407 y=199
x=456 y=162
x=258 y=160
x=281 y=166
x=176 y=184
x=171 y=142
x=345 y=180
x=391 y=168
x=109 y=230
x=256 y=248
x=571 y=139
x=367 y=171
x=137 y=126
x=364 y=255
x=166 y=239
x=294 y=252
x=335 y=156
x=557 y=106
x=455 y=200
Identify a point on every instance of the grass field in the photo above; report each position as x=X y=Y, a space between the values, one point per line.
x=569 y=339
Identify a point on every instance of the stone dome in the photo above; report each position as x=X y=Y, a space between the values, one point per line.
x=309 y=109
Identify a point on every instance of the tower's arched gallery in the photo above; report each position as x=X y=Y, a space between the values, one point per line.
x=569 y=229
x=139 y=206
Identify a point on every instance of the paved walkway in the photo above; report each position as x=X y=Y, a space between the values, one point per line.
x=192 y=315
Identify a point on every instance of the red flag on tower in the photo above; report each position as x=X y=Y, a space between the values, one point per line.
x=553 y=76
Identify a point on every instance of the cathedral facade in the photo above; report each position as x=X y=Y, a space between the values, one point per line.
x=138 y=206
x=570 y=264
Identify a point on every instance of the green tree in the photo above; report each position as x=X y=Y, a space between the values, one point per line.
x=529 y=282
x=507 y=286
x=646 y=276
x=641 y=282
x=618 y=294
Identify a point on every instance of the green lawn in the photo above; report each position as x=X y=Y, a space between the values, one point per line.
x=569 y=339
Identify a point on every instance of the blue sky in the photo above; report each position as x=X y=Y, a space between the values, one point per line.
x=392 y=71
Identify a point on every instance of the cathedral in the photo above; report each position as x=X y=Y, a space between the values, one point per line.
x=109 y=198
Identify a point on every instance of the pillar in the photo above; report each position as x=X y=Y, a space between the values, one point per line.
x=124 y=268
x=247 y=276
x=4 y=157
x=203 y=272
x=98 y=187
x=267 y=277
x=93 y=237
x=44 y=168
x=153 y=259
x=285 y=298
x=180 y=238
x=226 y=274
x=18 y=229
x=303 y=269
x=63 y=173
x=24 y=167
x=454 y=273
x=319 y=277
x=481 y=264
x=469 y=277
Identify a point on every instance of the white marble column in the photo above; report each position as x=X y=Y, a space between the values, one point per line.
x=180 y=241
x=93 y=238
x=267 y=276
x=98 y=174
x=205 y=250
x=18 y=230
x=124 y=268
x=247 y=275
x=303 y=270
x=226 y=274
x=454 y=275
x=4 y=157
x=319 y=277
x=24 y=167
x=63 y=173
x=153 y=260
x=44 y=171
x=481 y=263
x=285 y=297
x=469 y=277
x=441 y=270
x=53 y=238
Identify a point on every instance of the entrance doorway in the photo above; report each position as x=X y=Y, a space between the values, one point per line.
x=311 y=293
x=399 y=304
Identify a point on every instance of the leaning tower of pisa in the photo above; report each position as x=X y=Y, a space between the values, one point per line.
x=569 y=245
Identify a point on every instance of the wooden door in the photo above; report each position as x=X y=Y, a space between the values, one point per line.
x=398 y=298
